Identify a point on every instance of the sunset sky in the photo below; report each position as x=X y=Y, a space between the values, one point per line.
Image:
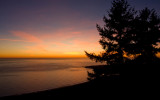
x=54 y=28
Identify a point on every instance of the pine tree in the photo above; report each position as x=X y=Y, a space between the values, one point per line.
x=147 y=35
x=114 y=34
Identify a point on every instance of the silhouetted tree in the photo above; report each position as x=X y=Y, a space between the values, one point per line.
x=114 y=34
x=104 y=73
x=145 y=36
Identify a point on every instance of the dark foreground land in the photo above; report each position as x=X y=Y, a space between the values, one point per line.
x=88 y=89
x=106 y=82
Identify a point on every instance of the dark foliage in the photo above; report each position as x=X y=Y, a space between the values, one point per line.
x=114 y=33
x=127 y=34
x=146 y=36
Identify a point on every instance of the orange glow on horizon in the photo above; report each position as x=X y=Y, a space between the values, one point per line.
x=67 y=55
x=49 y=45
x=45 y=56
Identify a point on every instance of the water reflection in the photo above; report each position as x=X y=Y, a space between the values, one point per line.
x=18 y=76
x=26 y=82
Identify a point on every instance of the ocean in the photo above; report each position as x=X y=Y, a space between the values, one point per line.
x=19 y=76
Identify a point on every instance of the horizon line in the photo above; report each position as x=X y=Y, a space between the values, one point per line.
x=42 y=58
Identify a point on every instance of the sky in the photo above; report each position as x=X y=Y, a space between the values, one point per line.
x=54 y=28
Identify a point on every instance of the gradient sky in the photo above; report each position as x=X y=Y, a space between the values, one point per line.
x=54 y=28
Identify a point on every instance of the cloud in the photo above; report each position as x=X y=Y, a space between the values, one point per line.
x=85 y=43
x=14 y=40
x=36 y=48
x=26 y=36
x=65 y=41
x=67 y=33
x=72 y=53
x=59 y=44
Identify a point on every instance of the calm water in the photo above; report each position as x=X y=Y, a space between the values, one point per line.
x=19 y=76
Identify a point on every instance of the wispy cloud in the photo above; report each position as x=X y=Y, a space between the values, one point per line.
x=14 y=40
x=36 y=48
x=26 y=36
x=85 y=43
x=67 y=41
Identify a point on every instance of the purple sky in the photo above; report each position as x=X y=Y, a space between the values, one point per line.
x=54 y=28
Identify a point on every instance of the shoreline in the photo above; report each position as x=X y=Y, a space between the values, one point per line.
x=131 y=80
